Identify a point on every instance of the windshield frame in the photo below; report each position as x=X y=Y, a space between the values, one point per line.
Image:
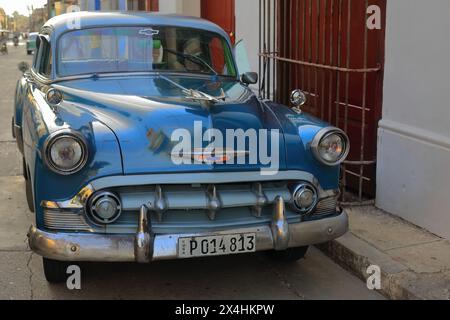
x=229 y=47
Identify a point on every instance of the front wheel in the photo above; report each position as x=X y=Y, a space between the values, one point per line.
x=289 y=255
x=55 y=271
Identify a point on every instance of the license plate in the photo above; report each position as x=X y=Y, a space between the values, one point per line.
x=216 y=245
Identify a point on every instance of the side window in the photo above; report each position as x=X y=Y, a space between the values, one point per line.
x=46 y=66
x=37 y=54
x=43 y=58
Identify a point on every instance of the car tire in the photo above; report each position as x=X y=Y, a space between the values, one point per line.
x=289 y=255
x=24 y=169
x=55 y=271
x=28 y=189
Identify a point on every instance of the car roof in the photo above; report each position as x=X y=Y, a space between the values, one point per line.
x=91 y=19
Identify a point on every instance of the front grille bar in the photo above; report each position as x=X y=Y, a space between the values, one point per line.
x=214 y=202
x=159 y=205
x=261 y=199
x=211 y=199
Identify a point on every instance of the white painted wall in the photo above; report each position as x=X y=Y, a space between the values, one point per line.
x=413 y=174
x=184 y=7
x=247 y=28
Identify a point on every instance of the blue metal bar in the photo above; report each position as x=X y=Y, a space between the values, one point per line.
x=97 y=5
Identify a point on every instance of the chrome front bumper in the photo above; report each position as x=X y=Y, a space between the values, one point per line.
x=145 y=246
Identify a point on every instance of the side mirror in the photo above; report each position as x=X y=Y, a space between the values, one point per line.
x=249 y=78
x=23 y=66
x=298 y=98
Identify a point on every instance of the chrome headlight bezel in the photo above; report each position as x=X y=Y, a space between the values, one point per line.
x=325 y=133
x=94 y=217
x=299 y=188
x=52 y=139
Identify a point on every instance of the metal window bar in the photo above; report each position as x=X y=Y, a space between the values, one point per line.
x=307 y=44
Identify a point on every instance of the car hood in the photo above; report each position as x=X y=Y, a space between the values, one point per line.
x=144 y=113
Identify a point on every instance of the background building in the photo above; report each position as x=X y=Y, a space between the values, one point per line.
x=57 y=7
x=3 y=19
x=37 y=18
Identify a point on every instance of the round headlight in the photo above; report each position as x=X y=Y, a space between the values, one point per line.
x=304 y=198
x=331 y=146
x=65 y=153
x=105 y=207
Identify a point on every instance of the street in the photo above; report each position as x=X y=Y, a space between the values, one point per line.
x=252 y=276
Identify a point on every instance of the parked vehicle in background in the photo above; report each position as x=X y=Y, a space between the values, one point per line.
x=31 y=42
x=95 y=119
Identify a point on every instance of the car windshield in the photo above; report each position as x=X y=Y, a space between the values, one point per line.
x=33 y=36
x=142 y=49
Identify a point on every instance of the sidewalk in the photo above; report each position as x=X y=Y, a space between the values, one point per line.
x=415 y=264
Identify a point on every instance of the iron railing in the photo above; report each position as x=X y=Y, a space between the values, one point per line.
x=322 y=47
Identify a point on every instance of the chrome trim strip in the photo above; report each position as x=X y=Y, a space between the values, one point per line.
x=121 y=248
x=197 y=178
x=77 y=202
x=60 y=220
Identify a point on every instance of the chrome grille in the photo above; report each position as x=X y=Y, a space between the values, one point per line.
x=65 y=220
x=188 y=208
x=196 y=197
x=326 y=206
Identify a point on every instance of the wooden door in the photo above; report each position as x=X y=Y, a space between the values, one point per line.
x=221 y=13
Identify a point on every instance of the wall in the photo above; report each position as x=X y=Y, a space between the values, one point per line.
x=184 y=7
x=413 y=174
x=247 y=28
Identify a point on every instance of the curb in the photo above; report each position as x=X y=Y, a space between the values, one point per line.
x=356 y=255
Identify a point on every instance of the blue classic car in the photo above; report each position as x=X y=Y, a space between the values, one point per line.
x=142 y=140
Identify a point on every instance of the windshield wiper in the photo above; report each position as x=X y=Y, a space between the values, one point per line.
x=194 y=59
x=196 y=95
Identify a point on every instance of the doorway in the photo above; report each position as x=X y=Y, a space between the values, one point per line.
x=221 y=13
